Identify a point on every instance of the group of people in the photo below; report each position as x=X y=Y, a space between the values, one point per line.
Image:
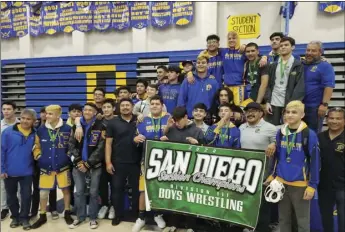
x=232 y=97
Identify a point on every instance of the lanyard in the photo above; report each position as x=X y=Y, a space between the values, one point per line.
x=52 y=136
x=282 y=69
x=222 y=135
x=289 y=145
x=156 y=129
x=252 y=69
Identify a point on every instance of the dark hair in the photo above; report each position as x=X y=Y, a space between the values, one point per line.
x=11 y=103
x=213 y=37
x=280 y=34
x=174 y=68
x=43 y=109
x=126 y=100
x=179 y=113
x=201 y=106
x=336 y=109
x=226 y=105
x=117 y=91
x=75 y=107
x=156 y=98
x=290 y=39
x=110 y=101
x=93 y=105
x=144 y=82
x=153 y=86
x=99 y=89
x=162 y=67
x=230 y=94
x=251 y=44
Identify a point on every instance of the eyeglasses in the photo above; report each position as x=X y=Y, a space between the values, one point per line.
x=212 y=42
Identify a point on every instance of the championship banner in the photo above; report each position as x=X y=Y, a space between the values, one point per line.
x=6 y=22
x=161 y=14
x=35 y=23
x=120 y=16
x=82 y=17
x=50 y=17
x=101 y=15
x=20 y=19
x=247 y=26
x=331 y=7
x=66 y=16
x=183 y=13
x=217 y=183
x=140 y=14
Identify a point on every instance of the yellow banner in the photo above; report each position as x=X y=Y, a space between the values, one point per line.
x=247 y=26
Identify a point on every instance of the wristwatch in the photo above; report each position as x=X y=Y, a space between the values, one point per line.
x=324 y=104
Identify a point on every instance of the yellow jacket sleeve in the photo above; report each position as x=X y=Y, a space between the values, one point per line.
x=37 y=148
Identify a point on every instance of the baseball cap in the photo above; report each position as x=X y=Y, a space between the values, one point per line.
x=253 y=105
x=174 y=68
x=187 y=62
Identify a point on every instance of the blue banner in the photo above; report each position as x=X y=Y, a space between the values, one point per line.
x=120 y=16
x=82 y=17
x=183 y=13
x=5 y=5
x=291 y=6
x=50 y=17
x=101 y=15
x=140 y=14
x=20 y=19
x=35 y=26
x=66 y=16
x=331 y=7
x=161 y=14
x=6 y=24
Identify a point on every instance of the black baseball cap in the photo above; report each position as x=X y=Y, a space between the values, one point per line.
x=187 y=62
x=253 y=105
x=174 y=68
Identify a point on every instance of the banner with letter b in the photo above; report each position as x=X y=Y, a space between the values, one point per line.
x=216 y=183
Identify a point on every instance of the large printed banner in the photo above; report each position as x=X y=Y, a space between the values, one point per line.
x=217 y=183
x=332 y=7
x=247 y=26
x=183 y=13
x=161 y=14
x=140 y=14
x=120 y=16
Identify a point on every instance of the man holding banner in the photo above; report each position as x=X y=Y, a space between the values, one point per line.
x=152 y=127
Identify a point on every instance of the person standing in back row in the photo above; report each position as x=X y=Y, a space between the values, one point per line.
x=332 y=176
x=286 y=82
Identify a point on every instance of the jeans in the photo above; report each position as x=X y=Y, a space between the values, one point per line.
x=11 y=185
x=312 y=119
x=103 y=187
x=3 y=195
x=327 y=199
x=80 y=195
x=122 y=172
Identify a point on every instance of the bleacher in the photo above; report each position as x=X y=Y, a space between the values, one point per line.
x=38 y=82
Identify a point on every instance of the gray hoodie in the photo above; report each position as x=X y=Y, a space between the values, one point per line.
x=190 y=130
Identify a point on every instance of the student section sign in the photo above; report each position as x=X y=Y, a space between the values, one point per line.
x=247 y=26
x=216 y=183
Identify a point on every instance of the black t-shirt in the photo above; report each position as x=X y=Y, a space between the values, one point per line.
x=124 y=150
x=253 y=77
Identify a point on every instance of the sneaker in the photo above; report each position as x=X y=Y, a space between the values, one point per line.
x=14 y=223
x=93 y=224
x=75 y=224
x=116 y=221
x=68 y=218
x=139 y=224
x=111 y=214
x=160 y=221
x=102 y=212
x=26 y=225
x=55 y=215
x=190 y=230
x=4 y=214
x=40 y=222
x=87 y=210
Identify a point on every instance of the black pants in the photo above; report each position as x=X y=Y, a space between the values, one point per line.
x=35 y=200
x=103 y=187
x=327 y=199
x=119 y=180
x=11 y=185
x=276 y=117
x=264 y=214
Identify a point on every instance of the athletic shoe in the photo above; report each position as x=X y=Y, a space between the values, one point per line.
x=14 y=223
x=26 y=225
x=40 y=222
x=4 y=214
x=160 y=221
x=93 y=224
x=139 y=224
x=55 y=215
x=68 y=218
x=111 y=214
x=75 y=224
x=102 y=212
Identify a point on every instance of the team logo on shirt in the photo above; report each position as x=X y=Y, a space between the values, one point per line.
x=340 y=147
x=257 y=130
x=313 y=69
x=293 y=73
x=208 y=87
